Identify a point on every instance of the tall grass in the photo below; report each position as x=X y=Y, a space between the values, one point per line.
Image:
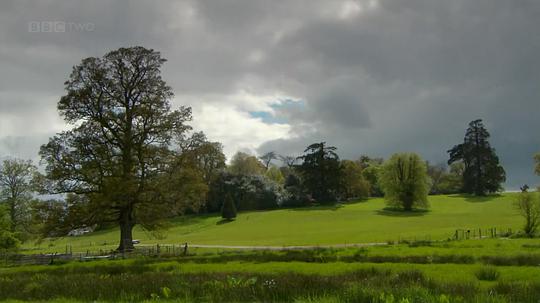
x=138 y=281
x=487 y=274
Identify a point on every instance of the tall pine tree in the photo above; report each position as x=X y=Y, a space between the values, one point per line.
x=483 y=173
x=321 y=172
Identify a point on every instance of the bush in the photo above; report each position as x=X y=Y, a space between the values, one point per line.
x=228 y=211
x=529 y=208
x=295 y=195
x=518 y=260
x=250 y=192
x=8 y=241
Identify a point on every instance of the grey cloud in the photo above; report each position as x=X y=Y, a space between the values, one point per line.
x=403 y=76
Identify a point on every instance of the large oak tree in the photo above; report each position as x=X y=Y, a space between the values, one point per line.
x=117 y=159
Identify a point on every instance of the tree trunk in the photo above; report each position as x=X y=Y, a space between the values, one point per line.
x=12 y=214
x=407 y=206
x=126 y=232
x=407 y=201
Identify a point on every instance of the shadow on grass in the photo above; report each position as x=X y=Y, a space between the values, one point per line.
x=192 y=218
x=355 y=201
x=191 y=223
x=476 y=199
x=397 y=212
x=318 y=207
x=224 y=221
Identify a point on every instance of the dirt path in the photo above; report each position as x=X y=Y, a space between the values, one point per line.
x=298 y=247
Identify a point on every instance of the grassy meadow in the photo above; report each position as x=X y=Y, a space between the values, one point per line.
x=426 y=266
x=355 y=222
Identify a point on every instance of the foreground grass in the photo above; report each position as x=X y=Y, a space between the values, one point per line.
x=181 y=280
x=360 y=222
x=487 y=270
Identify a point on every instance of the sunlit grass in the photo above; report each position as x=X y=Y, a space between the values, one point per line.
x=359 y=222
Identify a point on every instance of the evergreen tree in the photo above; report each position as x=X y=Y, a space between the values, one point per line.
x=482 y=173
x=228 y=210
x=321 y=172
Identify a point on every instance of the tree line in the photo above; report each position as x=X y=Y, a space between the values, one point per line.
x=131 y=159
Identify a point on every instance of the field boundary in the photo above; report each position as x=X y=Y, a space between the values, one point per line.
x=291 y=247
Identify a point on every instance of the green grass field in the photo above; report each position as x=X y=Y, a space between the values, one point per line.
x=324 y=275
x=356 y=222
x=475 y=270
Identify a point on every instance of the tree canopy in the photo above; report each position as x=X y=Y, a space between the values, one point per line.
x=528 y=206
x=268 y=157
x=245 y=164
x=353 y=183
x=371 y=171
x=274 y=174
x=16 y=188
x=405 y=182
x=321 y=172
x=8 y=241
x=482 y=172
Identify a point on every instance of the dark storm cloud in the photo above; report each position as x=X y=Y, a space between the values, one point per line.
x=374 y=77
x=427 y=68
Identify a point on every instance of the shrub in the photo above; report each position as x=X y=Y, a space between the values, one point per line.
x=295 y=195
x=529 y=208
x=250 y=192
x=228 y=211
x=517 y=260
x=8 y=241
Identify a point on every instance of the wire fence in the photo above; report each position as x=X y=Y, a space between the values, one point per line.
x=178 y=250
x=481 y=233
x=157 y=250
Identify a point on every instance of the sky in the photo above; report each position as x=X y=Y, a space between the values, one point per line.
x=370 y=77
